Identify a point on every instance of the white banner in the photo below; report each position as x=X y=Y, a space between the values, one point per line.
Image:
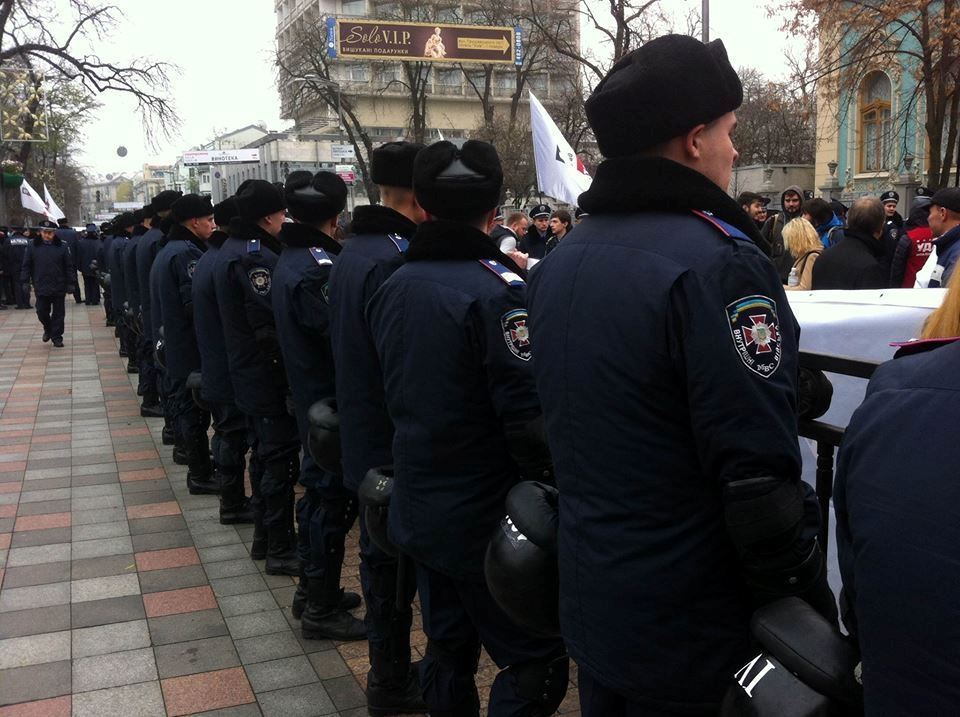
x=560 y=173
x=53 y=211
x=221 y=156
x=30 y=200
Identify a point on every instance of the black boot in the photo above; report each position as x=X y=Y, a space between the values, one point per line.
x=234 y=506
x=323 y=619
x=281 y=541
x=167 y=436
x=258 y=548
x=202 y=483
x=300 y=596
x=390 y=698
x=180 y=456
x=151 y=410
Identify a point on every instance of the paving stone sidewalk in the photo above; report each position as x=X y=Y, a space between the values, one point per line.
x=120 y=593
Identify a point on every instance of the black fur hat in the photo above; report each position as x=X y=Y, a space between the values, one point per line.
x=163 y=201
x=453 y=183
x=391 y=164
x=191 y=206
x=315 y=198
x=225 y=211
x=258 y=199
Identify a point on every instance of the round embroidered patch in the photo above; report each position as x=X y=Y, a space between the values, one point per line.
x=191 y=267
x=260 y=280
x=756 y=333
x=516 y=333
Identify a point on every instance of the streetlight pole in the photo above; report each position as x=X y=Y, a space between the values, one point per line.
x=705 y=21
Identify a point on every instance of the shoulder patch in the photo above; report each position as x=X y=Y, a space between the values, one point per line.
x=400 y=242
x=507 y=276
x=260 y=280
x=516 y=333
x=725 y=228
x=192 y=267
x=253 y=245
x=755 y=329
x=320 y=256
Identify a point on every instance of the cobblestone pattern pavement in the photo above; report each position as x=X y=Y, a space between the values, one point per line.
x=120 y=593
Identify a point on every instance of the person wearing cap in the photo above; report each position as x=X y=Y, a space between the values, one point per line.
x=944 y=220
x=143 y=345
x=381 y=234
x=69 y=236
x=48 y=265
x=463 y=434
x=755 y=205
x=893 y=229
x=147 y=248
x=16 y=250
x=915 y=244
x=667 y=367
x=534 y=243
x=243 y=277
x=123 y=228
x=327 y=510
x=171 y=278
x=230 y=441
x=6 y=280
x=89 y=259
x=107 y=232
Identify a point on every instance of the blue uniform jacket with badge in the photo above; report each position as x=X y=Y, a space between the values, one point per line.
x=131 y=276
x=148 y=246
x=215 y=383
x=898 y=536
x=300 y=310
x=368 y=258
x=174 y=269
x=89 y=249
x=49 y=266
x=667 y=368
x=453 y=341
x=115 y=262
x=243 y=277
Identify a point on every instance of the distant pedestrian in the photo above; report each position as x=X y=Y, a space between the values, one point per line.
x=800 y=239
x=48 y=264
x=855 y=262
x=89 y=260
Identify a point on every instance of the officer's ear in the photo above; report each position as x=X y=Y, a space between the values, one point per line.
x=693 y=142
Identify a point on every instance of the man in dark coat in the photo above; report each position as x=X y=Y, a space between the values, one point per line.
x=898 y=538
x=666 y=362
x=89 y=260
x=71 y=238
x=49 y=266
x=16 y=249
x=171 y=277
x=6 y=281
x=856 y=261
x=534 y=242
x=381 y=236
x=327 y=510
x=450 y=330
x=124 y=225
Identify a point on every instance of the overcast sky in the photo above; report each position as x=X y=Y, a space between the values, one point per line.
x=226 y=80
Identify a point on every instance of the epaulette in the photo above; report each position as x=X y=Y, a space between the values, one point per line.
x=320 y=256
x=401 y=243
x=507 y=276
x=725 y=228
x=253 y=245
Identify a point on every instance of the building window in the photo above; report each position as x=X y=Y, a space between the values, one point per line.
x=876 y=126
x=353 y=8
x=358 y=73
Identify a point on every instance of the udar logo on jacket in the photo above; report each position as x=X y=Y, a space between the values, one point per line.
x=756 y=333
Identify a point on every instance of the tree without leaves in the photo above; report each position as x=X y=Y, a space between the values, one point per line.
x=775 y=123
x=921 y=37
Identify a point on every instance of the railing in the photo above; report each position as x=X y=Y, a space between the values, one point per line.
x=815 y=394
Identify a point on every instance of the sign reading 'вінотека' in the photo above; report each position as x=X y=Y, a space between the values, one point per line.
x=221 y=156
x=421 y=41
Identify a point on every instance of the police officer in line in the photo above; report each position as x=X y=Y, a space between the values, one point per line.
x=171 y=281
x=327 y=510
x=667 y=370
x=143 y=348
x=229 y=442
x=48 y=265
x=892 y=227
x=147 y=248
x=381 y=234
x=89 y=259
x=123 y=227
x=534 y=244
x=69 y=236
x=6 y=285
x=451 y=332
x=16 y=249
x=243 y=276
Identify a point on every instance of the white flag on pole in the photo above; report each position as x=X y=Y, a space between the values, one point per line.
x=53 y=211
x=560 y=173
x=29 y=199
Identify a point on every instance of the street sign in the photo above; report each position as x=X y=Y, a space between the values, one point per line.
x=222 y=156
x=346 y=173
x=342 y=151
x=352 y=39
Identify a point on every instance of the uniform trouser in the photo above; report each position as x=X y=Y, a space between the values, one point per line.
x=9 y=293
x=107 y=303
x=389 y=615
x=229 y=452
x=278 y=449
x=325 y=514
x=255 y=469
x=91 y=290
x=168 y=405
x=22 y=295
x=458 y=617
x=50 y=311
x=76 y=291
x=597 y=700
x=193 y=422
x=148 y=379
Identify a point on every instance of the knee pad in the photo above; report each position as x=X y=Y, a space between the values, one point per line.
x=544 y=684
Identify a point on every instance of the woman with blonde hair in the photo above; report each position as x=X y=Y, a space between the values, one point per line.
x=802 y=241
x=944 y=322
